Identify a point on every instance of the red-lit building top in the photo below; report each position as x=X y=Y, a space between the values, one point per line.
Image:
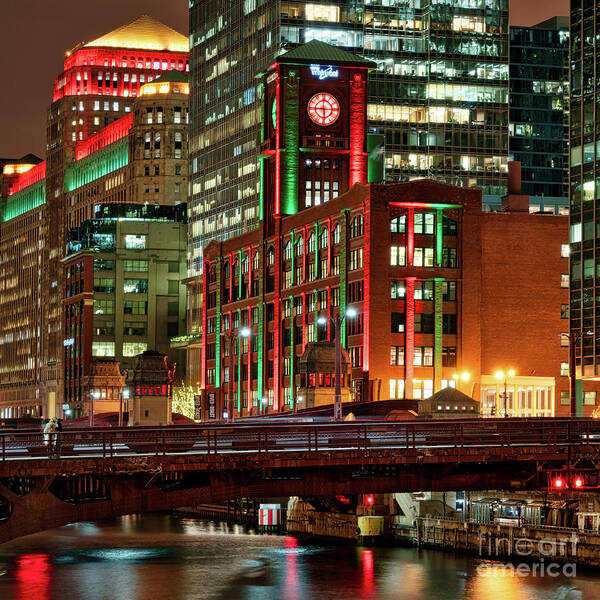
x=117 y=63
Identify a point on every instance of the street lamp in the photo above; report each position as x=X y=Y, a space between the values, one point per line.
x=464 y=376
x=574 y=337
x=233 y=334
x=93 y=396
x=338 y=321
x=505 y=375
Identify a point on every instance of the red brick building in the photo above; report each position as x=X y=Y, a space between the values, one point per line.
x=445 y=294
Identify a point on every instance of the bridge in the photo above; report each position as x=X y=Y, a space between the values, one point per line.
x=90 y=474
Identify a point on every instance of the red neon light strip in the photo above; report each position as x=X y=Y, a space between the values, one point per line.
x=358 y=126
x=367 y=287
x=28 y=178
x=410 y=237
x=249 y=371
x=277 y=150
x=106 y=136
x=409 y=335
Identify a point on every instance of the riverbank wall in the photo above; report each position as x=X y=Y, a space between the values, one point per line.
x=496 y=541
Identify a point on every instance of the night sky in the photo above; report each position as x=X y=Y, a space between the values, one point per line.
x=36 y=33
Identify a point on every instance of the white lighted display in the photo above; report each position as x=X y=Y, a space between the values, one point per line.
x=324 y=72
x=323 y=109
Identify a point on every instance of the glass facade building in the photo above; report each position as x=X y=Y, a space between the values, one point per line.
x=439 y=94
x=538 y=114
x=584 y=193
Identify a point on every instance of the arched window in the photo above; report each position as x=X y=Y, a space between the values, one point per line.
x=324 y=238
x=357 y=226
x=311 y=243
x=336 y=234
x=271 y=256
x=288 y=250
x=299 y=246
x=226 y=269
x=398 y=224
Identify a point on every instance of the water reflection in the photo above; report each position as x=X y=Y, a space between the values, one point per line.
x=161 y=556
x=32 y=573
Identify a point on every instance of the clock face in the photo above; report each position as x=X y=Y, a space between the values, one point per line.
x=323 y=109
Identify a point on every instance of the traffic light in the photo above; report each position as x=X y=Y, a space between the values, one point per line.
x=558 y=483
x=578 y=482
x=369 y=499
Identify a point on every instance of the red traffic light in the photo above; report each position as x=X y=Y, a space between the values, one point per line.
x=369 y=499
x=558 y=483
x=578 y=483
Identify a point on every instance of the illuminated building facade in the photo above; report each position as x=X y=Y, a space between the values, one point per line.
x=123 y=291
x=98 y=151
x=585 y=185
x=429 y=274
x=439 y=94
x=539 y=94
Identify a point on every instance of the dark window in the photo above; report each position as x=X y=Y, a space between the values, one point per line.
x=448 y=356
x=449 y=324
x=398 y=321
x=424 y=323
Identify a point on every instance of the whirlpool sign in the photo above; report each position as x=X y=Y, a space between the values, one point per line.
x=327 y=72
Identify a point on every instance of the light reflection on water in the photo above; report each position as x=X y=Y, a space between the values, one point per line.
x=162 y=556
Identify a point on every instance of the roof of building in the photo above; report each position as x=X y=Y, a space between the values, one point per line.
x=316 y=51
x=28 y=159
x=450 y=396
x=144 y=33
x=172 y=76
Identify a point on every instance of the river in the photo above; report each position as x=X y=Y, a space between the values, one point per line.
x=163 y=556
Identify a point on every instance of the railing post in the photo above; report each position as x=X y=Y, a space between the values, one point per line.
x=103 y=445
x=3 y=447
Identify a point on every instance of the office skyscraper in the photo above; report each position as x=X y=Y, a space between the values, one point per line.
x=584 y=184
x=439 y=94
x=539 y=93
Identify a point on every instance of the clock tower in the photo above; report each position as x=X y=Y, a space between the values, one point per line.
x=314 y=138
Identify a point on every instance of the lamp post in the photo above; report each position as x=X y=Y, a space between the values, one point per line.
x=124 y=395
x=505 y=375
x=233 y=334
x=93 y=396
x=338 y=321
x=574 y=338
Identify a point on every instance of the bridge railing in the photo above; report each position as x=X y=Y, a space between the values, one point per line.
x=290 y=436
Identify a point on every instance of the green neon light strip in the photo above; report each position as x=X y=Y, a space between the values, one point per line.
x=291 y=141
x=240 y=345
x=263 y=94
x=439 y=238
x=218 y=325
x=98 y=164
x=24 y=200
x=438 y=339
x=261 y=333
